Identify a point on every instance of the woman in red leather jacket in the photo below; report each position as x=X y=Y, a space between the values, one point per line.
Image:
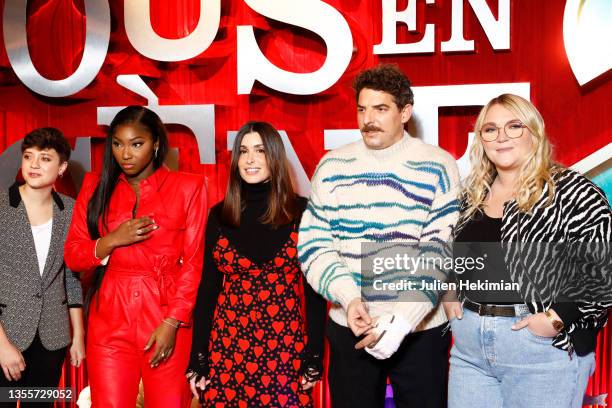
x=140 y=228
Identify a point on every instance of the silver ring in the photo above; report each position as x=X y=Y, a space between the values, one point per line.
x=138 y=231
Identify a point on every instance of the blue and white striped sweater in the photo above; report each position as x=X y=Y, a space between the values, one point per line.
x=406 y=193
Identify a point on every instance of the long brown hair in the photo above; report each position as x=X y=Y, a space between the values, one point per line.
x=283 y=201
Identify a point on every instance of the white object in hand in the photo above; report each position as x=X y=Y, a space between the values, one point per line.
x=393 y=328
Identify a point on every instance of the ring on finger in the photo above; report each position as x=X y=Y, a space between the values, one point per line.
x=138 y=231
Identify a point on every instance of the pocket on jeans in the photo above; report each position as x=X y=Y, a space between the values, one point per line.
x=452 y=324
x=542 y=339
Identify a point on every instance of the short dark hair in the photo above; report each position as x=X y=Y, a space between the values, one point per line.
x=48 y=138
x=386 y=78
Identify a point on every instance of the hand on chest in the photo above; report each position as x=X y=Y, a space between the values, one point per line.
x=166 y=210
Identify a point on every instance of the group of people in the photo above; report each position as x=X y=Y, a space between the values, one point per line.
x=229 y=305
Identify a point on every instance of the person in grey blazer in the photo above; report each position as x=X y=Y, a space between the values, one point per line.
x=39 y=297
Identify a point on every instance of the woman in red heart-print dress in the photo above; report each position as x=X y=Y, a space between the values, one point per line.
x=250 y=347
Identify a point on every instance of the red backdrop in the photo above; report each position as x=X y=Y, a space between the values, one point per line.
x=577 y=117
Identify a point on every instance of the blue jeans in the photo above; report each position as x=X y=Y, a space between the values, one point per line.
x=493 y=366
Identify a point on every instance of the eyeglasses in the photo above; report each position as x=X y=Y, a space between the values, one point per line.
x=513 y=129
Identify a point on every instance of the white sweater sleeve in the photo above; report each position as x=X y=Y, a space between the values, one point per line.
x=324 y=268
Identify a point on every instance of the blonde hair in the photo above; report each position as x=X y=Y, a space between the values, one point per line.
x=534 y=175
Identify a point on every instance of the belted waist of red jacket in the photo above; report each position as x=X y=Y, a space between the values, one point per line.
x=164 y=272
x=173 y=254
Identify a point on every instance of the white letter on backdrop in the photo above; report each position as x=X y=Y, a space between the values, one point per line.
x=313 y=15
x=97 y=34
x=388 y=44
x=497 y=31
x=147 y=42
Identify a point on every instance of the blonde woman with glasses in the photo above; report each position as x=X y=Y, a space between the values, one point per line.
x=525 y=347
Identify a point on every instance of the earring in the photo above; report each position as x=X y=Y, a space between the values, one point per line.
x=156 y=149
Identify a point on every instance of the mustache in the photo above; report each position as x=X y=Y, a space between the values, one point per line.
x=371 y=128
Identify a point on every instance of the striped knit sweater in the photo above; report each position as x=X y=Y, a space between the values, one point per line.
x=405 y=193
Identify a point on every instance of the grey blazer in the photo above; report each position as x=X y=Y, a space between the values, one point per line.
x=29 y=302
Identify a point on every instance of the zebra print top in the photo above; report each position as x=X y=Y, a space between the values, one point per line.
x=579 y=213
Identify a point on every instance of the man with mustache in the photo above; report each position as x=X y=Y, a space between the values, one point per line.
x=388 y=188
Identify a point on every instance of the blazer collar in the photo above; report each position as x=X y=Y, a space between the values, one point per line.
x=15 y=197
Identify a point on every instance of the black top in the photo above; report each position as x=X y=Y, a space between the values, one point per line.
x=473 y=241
x=258 y=242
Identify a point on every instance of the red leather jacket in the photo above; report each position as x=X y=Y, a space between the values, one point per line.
x=174 y=253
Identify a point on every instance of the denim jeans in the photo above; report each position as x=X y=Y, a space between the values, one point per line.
x=493 y=366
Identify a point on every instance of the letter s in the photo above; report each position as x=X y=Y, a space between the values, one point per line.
x=313 y=15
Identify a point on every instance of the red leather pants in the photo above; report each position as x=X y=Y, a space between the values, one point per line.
x=127 y=312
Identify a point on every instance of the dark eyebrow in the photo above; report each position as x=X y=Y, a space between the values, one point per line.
x=256 y=146
x=380 y=105
x=42 y=152
x=130 y=139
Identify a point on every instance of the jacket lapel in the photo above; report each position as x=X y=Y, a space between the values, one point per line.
x=29 y=250
x=56 y=247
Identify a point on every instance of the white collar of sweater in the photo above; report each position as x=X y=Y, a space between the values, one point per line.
x=398 y=147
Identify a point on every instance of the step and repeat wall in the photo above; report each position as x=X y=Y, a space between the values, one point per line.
x=208 y=66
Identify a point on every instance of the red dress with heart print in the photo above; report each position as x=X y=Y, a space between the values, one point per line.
x=258 y=336
x=249 y=335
